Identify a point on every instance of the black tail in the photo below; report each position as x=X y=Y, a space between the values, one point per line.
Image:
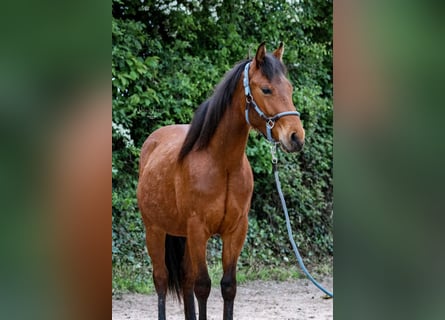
x=174 y=253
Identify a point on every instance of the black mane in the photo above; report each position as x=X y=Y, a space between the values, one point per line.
x=209 y=113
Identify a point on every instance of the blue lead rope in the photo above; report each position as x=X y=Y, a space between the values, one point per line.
x=289 y=229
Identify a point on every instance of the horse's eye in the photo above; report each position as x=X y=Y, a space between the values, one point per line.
x=266 y=90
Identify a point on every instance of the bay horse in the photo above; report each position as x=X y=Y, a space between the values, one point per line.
x=195 y=180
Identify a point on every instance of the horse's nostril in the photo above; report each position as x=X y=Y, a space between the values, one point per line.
x=295 y=139
x=298 y=144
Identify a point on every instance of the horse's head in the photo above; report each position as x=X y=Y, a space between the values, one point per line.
x=269 y=106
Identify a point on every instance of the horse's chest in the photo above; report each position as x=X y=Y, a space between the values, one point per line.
x=218 y=197
x=215 y=185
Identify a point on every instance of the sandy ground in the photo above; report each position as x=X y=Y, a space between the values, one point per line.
x=257 y=300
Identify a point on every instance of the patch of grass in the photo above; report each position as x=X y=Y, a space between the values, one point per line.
x=131 y=278
x=137 y=278
x=324 y=268
x=246 y=274
x=277 y=273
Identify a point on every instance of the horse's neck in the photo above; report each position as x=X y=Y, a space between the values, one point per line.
x=229 y=142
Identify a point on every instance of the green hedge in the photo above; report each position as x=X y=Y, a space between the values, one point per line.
x=167 y=58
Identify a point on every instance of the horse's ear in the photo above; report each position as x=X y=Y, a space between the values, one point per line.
x=278 y=53
x=260 y=53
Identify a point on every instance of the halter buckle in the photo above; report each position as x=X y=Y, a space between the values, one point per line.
x=270 y=123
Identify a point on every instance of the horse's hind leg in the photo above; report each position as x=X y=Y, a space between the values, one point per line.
x=232 y=245
x=155 y=240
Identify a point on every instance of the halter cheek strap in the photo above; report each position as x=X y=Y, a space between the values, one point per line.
x=270 y=121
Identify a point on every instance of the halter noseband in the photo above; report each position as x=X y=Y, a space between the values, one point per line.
x=270 y=121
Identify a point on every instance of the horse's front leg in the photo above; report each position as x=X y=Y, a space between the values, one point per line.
x=197 y=248
x=232 y=245
x=202 y=291
x=187 y=285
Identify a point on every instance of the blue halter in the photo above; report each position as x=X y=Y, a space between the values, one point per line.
x=270 y=121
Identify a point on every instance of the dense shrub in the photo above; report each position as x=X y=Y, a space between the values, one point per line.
x=166 y=59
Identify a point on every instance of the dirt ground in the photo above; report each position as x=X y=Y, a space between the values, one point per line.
x=257 y=300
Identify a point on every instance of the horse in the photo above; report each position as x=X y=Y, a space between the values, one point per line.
x=195 y=181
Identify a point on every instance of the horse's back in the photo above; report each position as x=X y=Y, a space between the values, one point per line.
x=169 y=138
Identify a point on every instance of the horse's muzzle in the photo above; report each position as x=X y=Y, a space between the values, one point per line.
x=295 y=143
